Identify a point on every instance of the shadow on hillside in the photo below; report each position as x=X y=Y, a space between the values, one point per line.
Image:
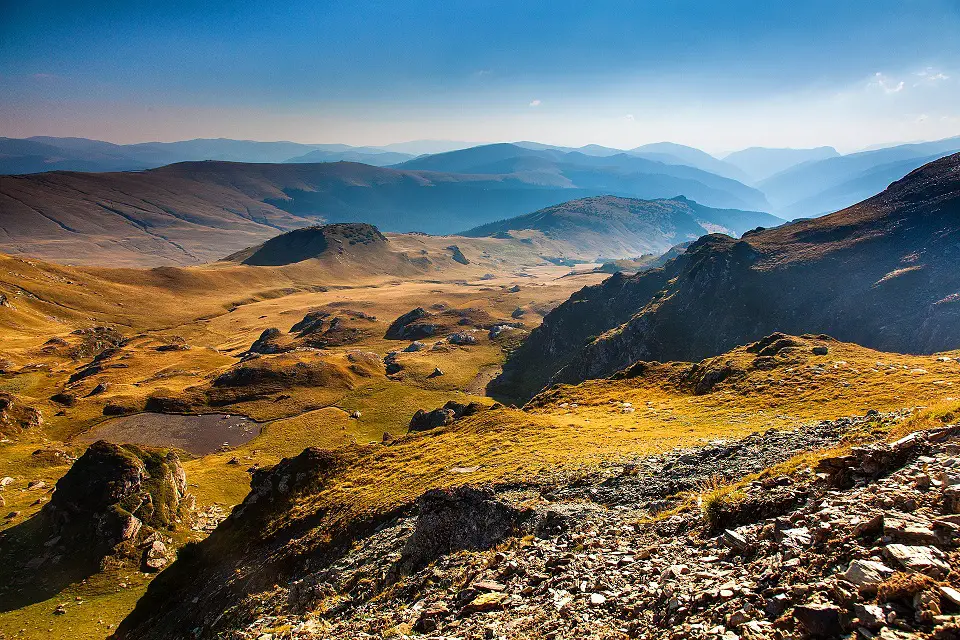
x=32 y=569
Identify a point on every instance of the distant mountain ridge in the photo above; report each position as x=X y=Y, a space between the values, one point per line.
x=881 y=273
x=817 y=187
x=759 y=163
x=623 y=174
x=611 y=227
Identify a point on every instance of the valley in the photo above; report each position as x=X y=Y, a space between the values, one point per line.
x=319 y=408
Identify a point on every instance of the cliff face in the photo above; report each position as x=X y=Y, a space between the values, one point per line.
x=882 y=274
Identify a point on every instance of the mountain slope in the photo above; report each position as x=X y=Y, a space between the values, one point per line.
x=613 y=227
x=806 y=182
x=881 y=273
x=760 y=163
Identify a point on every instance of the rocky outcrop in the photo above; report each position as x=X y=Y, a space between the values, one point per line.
x=447 y=414
x=419 y=323
x=115 y=506
x=881 y=274
x=112 y=492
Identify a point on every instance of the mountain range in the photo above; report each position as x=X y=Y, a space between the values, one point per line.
x=881 y=273
x=193 y=212
x=791 y=183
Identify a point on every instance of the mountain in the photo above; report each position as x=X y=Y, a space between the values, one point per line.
x=370 y=156
x=759 y=163
x=673 y=153
x=804 y=190
x=613 y=227
x=47 y=153
x=39 y=154
x=881 y=273
x=622 y=174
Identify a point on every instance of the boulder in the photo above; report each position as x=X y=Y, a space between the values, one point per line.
x=929 y=561
x=867 y=573
x=819 y=620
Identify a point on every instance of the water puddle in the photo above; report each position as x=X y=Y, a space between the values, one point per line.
x=199 y=435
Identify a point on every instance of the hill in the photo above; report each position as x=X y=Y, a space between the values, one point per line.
x=881 y=273
x=613 y=227
x=339 y=241
x=818 y=187
x=759 y=163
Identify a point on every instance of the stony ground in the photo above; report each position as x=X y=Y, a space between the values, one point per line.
x=863 y=546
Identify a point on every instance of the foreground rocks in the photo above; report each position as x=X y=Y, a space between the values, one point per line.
x=862 y=546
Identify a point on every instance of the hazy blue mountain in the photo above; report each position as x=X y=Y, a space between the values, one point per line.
x=368 y=156
x=623 y=174
x=759 y=163
x=838 y=197
x=36 y=155
x=797 y=190
x=421 y=147
x=673 y=153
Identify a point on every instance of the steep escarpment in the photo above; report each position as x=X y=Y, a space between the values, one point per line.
x=881 y=273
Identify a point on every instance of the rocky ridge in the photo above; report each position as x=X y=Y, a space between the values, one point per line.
x=865 y=544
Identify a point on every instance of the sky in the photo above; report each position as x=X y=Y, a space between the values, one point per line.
x=719 y=75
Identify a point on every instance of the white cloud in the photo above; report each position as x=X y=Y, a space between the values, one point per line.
x=629 y=117
x=930 y=76
x=889 y=85
x=535 y=103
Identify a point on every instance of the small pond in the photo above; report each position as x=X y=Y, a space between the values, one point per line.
x=199 y=435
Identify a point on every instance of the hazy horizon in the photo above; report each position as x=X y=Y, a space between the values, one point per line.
x=716 y=77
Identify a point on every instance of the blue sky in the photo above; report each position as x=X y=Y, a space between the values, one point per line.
x=719 y=75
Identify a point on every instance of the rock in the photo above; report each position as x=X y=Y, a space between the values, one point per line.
x=415 y=346
x=951 y=499
x=155 y=556
x=485 y=602
x=819 y=620
x=735 y=540
x=870 y=616
x=929 y=561
x=399 y=329
x=436 y=373
x=65 y=399
x=447 y=414
x=267 y=342
x=6 y=481
x=456 y=519
x=461 y=338
x=110 y=492
x=597 y=599
x=866 y=572
x=950 y=594
x=517 y=313
x=488 y=585
x=355 y=414
x=820 y=351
